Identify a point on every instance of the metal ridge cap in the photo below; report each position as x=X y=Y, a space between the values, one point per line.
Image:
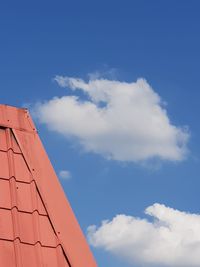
x=16 y=118
x=12 y=106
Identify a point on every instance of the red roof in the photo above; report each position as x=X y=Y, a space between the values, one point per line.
x=37 y=225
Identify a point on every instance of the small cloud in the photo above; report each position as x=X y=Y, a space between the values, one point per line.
x=171 y=238
x=64 y=174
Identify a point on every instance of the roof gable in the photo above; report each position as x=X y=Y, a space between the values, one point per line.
x=37 y=224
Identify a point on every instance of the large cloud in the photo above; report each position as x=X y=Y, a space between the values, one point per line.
x=171 y=239
x=119 y=120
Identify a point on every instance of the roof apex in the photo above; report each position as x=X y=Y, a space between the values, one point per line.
x=16 y=118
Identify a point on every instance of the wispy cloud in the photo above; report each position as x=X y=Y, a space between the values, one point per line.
x=119 y=120
x=171 y=239
x=64 y=174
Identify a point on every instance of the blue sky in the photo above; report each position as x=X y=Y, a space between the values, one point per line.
x=114 y=40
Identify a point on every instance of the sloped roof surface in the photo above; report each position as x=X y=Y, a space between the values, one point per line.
x=37 y=225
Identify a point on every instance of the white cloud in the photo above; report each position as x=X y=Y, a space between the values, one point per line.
x=171 y=239
x=64 y=174
x=119 y=120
